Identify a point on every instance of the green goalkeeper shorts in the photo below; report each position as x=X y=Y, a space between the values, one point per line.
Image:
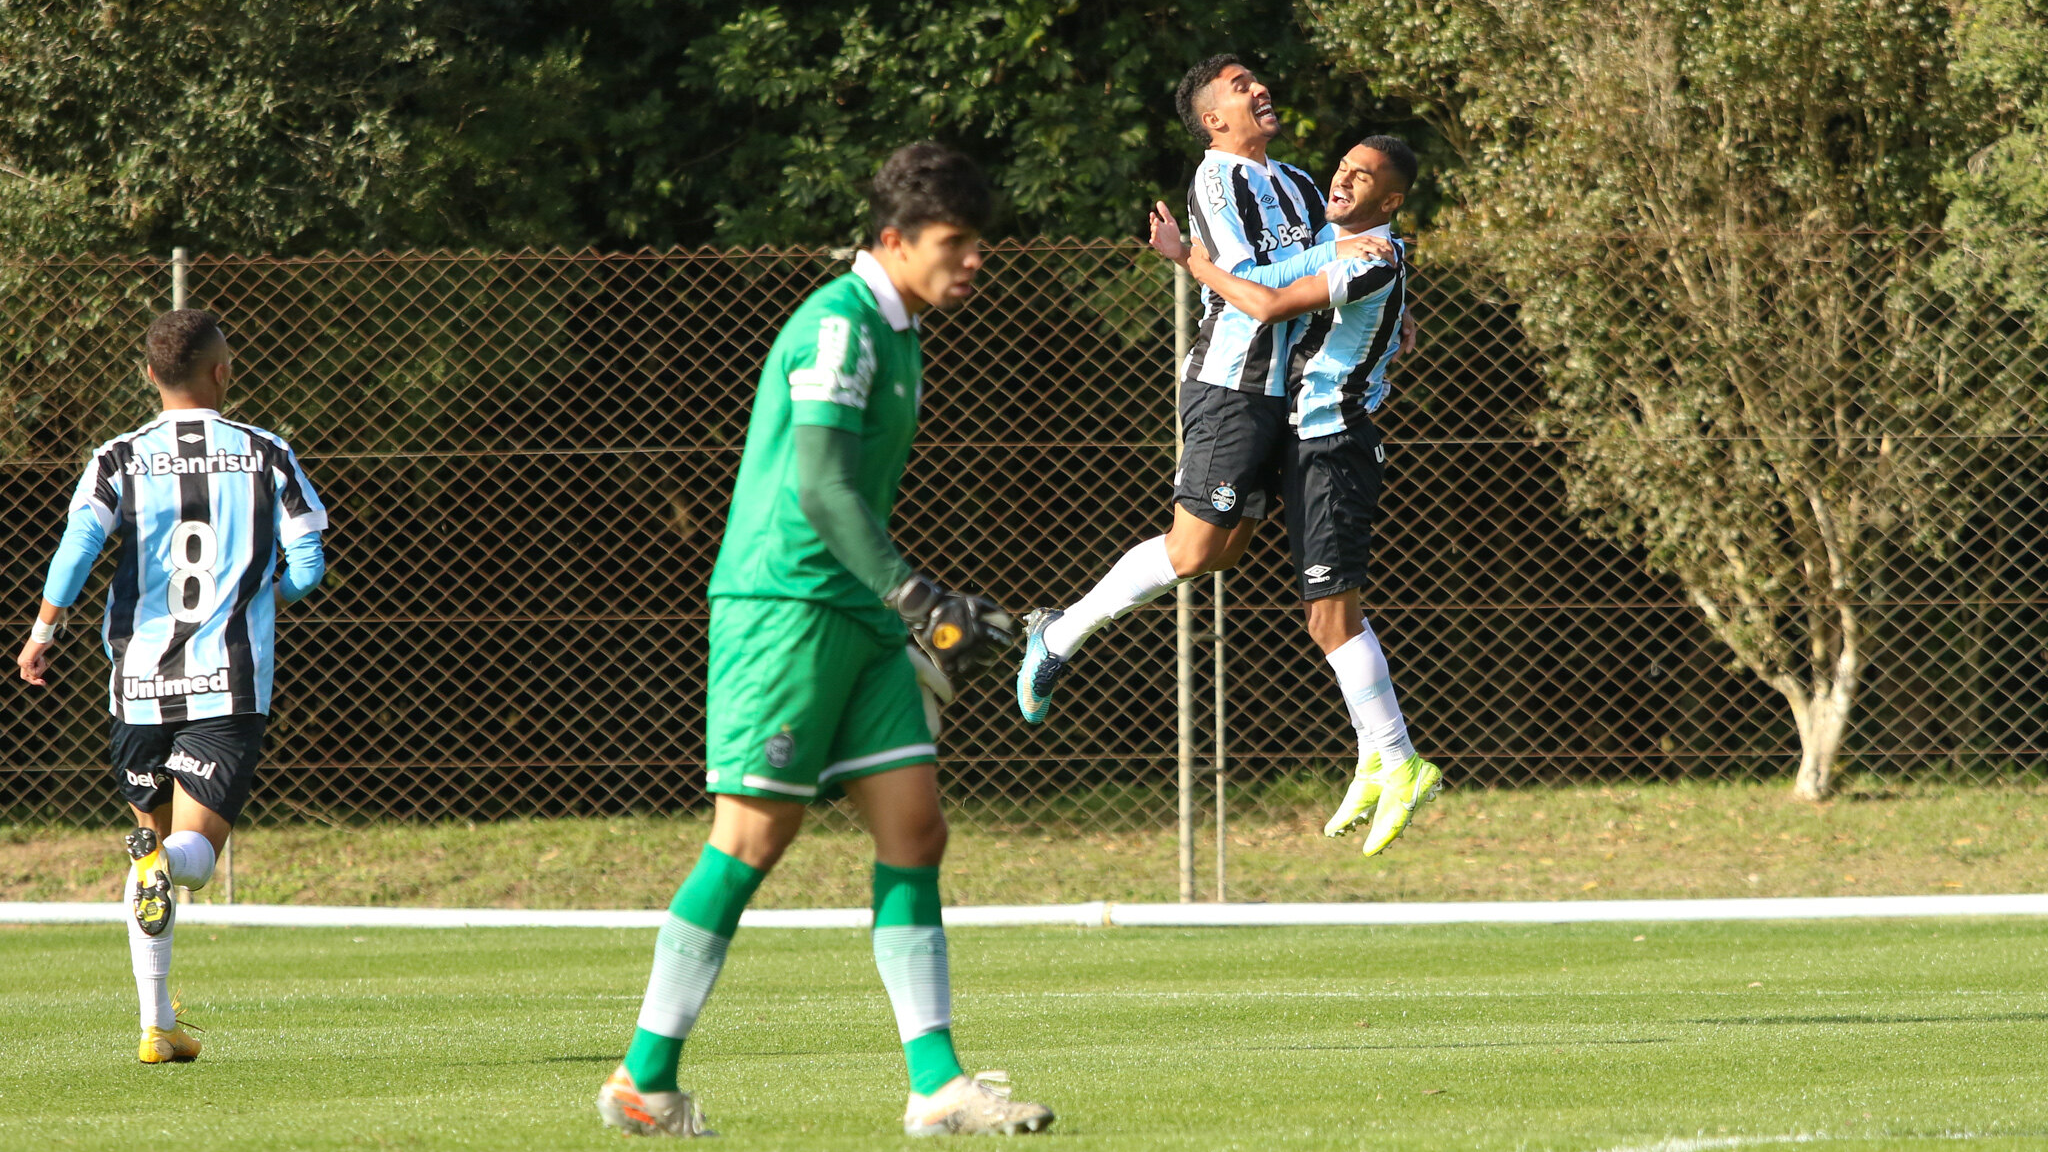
x=802 y=698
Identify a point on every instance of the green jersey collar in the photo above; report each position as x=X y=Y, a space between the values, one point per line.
x=869 y=269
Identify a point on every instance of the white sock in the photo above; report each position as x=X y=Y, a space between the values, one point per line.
x=189 y=856
x=687 y=960
x=151 y=959
x=912 y=961
x=1369 y=696
x=1140 y=576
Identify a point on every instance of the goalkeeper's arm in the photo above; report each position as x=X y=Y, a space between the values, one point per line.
x=962 y=634
x=828 y=459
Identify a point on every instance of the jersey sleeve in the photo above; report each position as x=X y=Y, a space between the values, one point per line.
x=1355 y=279
x=99 y=490
x=1293 y=268
x=1217 y=208
x=830 y=369
x=299 y=508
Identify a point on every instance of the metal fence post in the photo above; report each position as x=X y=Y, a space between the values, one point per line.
x=180 y=262
x=1222 y=734
x=181 y=894
x=1184 y=617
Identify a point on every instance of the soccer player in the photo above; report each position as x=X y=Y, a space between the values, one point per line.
x=1337 y=377
x=811 y=690
x=1249 y=211
x=198 y=506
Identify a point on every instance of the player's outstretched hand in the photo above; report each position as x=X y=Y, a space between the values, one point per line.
x=1166 y=234
x=1363 y=247
x=962 y=633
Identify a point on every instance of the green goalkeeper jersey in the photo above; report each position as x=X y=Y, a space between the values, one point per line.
x=847 y=359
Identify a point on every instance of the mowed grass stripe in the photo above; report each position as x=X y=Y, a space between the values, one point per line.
x=1889 y=1034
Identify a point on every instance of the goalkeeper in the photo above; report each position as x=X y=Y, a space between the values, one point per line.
x=820 y=635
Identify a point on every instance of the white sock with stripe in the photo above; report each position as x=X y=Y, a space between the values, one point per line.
x=1138 y=578
x=1368 y=689
x=150 y=956
x=912 y=961
x=687 y=960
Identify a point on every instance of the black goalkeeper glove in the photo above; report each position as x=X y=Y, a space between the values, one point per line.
x=963 y=634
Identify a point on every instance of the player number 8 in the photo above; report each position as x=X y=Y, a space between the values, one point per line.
x=193 y=549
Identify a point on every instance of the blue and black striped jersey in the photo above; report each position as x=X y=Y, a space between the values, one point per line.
x=1247 y=214
x=1338 y=368
x=198 y=506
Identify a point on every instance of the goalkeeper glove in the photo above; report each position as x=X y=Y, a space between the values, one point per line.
x=963 y=634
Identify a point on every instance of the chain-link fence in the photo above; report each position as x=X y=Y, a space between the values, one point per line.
x=528 y=457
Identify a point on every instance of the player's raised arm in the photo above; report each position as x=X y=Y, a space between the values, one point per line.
x=1303 y=288
x=1268 y=293
x=1266 y=305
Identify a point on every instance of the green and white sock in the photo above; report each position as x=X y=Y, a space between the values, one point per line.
x=910 y=952
x=687 y=956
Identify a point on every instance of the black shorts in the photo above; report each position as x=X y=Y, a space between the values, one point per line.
x=215 y=759
x=1332 y=498
x=1233 y=448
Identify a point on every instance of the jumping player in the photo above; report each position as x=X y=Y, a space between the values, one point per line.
x=811 y=688
x=1337 y=377
x=1250 y=211
x=198 y=506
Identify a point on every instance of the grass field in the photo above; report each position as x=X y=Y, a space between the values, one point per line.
x=1656 y=840
x=1858 y=1035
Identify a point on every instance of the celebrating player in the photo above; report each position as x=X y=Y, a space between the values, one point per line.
x=1337 y=376
x=1249 y=210
x=812 y=689
x=198 y=506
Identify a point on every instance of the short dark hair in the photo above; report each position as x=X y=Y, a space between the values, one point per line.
x=1194 y=84
x=1397 y=150
x=176 y=340
x=929 y=183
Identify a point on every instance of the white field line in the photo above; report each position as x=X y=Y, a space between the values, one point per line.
x=1711 y=1143
x=1714 y=1143
x=1093 y=914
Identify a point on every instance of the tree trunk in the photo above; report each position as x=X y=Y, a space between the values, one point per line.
x=1822 y=723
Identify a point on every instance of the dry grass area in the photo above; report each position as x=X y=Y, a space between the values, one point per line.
x=1675 y=840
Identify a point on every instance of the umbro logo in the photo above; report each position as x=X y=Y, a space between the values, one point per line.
x=191 y=438
x=1318 y=574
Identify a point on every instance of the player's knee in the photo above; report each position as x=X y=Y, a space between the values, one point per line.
x=190 y=858
x=1232 y=554
x=1332 y=622
x=1327 y=634
x=925 y=844
x=1201 y=555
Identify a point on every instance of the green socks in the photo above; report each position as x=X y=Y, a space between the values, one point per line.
x=687 y=956
x=910 y=953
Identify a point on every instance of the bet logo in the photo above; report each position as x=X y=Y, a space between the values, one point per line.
x=945 y=636
x=1224 y=498
x=781 y=748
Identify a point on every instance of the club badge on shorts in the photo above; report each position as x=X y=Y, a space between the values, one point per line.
x=781 y=749
x=1224 y=498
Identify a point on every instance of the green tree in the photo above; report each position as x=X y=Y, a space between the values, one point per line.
x=1742 y=387
x=280 y=125
x=2000 y=212
x=296 y=125
x=1068 y=105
